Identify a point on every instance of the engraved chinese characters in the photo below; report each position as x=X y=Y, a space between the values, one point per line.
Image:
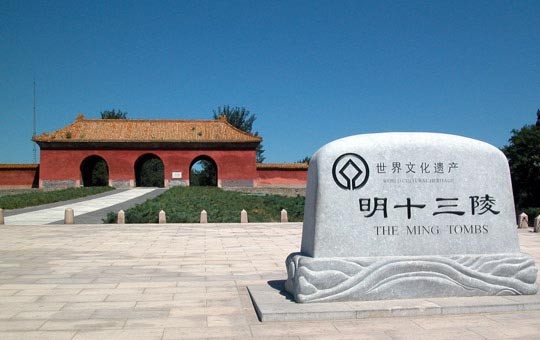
x=420 y=206
x=478 y=205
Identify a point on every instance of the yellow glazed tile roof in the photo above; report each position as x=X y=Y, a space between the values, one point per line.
x=135 y=130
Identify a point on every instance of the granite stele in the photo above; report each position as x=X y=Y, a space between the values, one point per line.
x=408 y=215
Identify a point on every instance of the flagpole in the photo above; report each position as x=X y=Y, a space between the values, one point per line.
x=34 y=124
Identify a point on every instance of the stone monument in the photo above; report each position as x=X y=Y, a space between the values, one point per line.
x=408 y=215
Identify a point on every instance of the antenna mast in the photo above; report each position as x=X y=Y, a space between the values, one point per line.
x=34 y=125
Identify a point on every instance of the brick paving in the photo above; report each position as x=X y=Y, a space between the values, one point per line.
x=186 y=282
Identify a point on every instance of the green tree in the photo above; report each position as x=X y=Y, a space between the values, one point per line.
x=113 y=114
x=100 y=174
x=523 y=153
x=150 y=172
x=306 y=159
x=242 y=119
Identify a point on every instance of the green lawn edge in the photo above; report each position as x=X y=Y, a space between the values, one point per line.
x=35 y=198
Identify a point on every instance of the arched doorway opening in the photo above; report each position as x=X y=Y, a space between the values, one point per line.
x=203 y=172
x=149 y=171
x=94 y=172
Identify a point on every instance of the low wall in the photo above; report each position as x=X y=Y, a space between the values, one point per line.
x=17 y=176
x=282 y=175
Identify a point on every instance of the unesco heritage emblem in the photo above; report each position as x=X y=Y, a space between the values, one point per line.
x=350 y=171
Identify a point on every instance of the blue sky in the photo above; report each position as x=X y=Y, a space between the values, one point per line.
x=311 y=71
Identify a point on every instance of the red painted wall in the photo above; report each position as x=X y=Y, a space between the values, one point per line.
x=18 y=177
x=235 y=168
x=282 y=177
x=64 y=165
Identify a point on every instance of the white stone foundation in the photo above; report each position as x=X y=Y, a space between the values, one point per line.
x=404 y=277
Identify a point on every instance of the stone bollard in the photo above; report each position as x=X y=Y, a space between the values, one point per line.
x=537 y=224
x=1 y=216
x=523 y=221
x=243 y=216
x=204 y=217
x=162 y=217
x=69 y=216
x=121 y=217
x=284 y=216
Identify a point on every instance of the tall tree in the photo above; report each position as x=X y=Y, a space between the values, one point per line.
x=100 y=174
x=113 y=114
x=306 y=159
x=242 y=119
x=523 y=153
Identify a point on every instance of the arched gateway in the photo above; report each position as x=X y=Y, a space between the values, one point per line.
x=94 y=172
x=203 y=171
x=149 y=171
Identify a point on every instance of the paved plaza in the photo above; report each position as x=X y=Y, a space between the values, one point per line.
x=186 y=282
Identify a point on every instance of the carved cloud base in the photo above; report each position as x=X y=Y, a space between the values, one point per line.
x=403 y=277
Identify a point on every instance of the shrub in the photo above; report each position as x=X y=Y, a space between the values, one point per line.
x=184 y=205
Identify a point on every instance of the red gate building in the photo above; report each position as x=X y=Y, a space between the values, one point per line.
x=124 y=145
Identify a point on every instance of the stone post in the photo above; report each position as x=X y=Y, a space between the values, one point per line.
x=243 y=216
x=162 y=217
x=284 y=216
x=69 y=216
x=523 y=221
x=121 y=217
x=1 y=216
x=537 y=224
x=204 y=217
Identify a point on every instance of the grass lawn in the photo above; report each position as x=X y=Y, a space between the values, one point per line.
x=184 y=205
x=31 y=199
